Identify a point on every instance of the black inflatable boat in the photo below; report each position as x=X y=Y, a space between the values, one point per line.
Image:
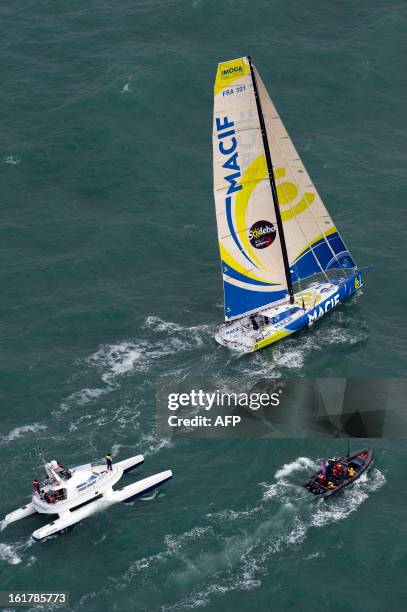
x=339 y=472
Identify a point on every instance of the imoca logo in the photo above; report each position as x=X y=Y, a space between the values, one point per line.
x=227 y=72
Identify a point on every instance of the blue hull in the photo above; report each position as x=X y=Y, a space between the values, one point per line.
x=346 y=288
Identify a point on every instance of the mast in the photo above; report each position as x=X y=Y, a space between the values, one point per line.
x=272 y=185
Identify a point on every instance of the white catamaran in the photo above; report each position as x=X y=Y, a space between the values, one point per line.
x=76 y=493
x=284 y=262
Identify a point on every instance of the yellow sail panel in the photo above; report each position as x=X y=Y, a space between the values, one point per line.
x=313 y=243
x=229 y=72
x=253 y=270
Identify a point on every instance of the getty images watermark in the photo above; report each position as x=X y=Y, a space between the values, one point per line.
x=201 y=400
x=239 y=407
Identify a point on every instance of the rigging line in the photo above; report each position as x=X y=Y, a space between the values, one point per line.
x=298 y=185
x=303 y=196
x=302 y=193
x=295 y=216
x=272 y=185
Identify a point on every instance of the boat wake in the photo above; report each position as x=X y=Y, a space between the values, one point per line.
x=232 y=550
x=81 y=398
x=292 y=354
x=18 y=432
x=9 y=554
x=141 y=355
x=300 y=464
x=13 y=554
x=279 y=524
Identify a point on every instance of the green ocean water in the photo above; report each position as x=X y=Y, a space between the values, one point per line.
x=110 y=279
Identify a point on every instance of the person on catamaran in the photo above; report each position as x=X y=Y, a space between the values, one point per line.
x=109 y=462
x=36 y=485
x=351 y=472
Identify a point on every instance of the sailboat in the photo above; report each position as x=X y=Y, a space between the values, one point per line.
x=284 y=263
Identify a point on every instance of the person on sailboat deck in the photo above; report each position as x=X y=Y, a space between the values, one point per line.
x=254 y=322
x=109 y=461
x=351 y=472
x=258 y=320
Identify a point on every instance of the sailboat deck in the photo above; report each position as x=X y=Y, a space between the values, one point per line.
x=272 y=322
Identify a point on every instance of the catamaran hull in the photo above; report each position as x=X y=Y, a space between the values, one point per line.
x=247 y=342
x=20 y=513
x=127 y=465
x=126 y=494
x=131 y=492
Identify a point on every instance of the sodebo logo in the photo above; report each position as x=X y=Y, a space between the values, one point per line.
x=262 y=234
x=261 y=231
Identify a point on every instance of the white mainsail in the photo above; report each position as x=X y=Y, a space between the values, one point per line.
x=312 y=240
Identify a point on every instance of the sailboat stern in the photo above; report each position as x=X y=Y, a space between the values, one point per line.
x=273 y=323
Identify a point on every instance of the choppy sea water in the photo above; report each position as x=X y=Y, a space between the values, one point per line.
x=110 y=279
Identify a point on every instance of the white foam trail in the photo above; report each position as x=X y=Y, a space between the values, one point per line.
x=82 y=397
x=150 y=497
x=289 y=358
x=264 y=542
x=339 y=335
x=174 y=545
x=149 y=444
x=121 y=359
x=124 y=357
x=232 y=515
x=10 y=159
x=11 y=553
x=196 y=333
x=302 y=463
x=293 y=354
x=158 y=325
x=238 y=560
x=314 y=555
x=8 y=553
x=140 y=355
x=350 y=499
x=18 y=432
